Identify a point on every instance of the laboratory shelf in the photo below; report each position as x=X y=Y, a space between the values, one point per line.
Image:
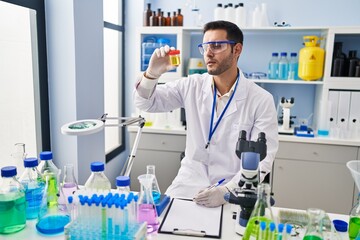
x=275 y=81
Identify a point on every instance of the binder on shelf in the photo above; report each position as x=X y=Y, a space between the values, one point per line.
x=185 y=217
x=343 y=114
x=334 y=102
x=354 y=115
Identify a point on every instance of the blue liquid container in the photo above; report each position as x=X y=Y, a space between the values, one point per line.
x=293 y=67
x=283 y=66
x=12 y=202
x=33 y=183
x=274 y=66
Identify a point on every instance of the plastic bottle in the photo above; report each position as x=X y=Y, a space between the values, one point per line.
x=230 y=13
x=174 y=56
x=68 y=185
x=264 y=22
x=256 y=18
x=283 y=66
x=18 y=156
x=12 y=202
x=180 y=18
x=219 y=12
x=147 y=14
x=97 y=179
x=274 y=66
x=49 y=170
x=155 y=189
x=34 y=184
x=123 y=184
x=293 y=67
x=240 y=15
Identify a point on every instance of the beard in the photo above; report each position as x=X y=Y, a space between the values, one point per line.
x=223 y=65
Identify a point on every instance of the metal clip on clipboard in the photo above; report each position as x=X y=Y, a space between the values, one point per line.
x=189 y=232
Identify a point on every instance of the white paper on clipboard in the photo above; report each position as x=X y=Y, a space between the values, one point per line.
x=185 y=217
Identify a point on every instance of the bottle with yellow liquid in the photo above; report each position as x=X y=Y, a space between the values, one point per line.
x=311 y=59
x=262 y=213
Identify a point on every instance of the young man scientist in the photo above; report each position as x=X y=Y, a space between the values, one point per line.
x=218 y=105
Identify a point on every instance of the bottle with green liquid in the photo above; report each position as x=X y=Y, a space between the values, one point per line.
x=12 y=202
x=50 y=173
x=354 y=223
x=314 y=229
x=262 y=213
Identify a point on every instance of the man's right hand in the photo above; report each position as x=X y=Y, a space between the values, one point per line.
x=159 y=63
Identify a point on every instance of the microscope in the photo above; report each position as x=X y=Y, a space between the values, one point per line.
x=285 y=119
x=250 y=153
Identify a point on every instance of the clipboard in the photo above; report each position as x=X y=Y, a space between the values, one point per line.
x=185 y=217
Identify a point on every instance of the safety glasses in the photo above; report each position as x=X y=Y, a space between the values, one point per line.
x=215 y=47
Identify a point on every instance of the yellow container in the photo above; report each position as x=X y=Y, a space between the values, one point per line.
x=311 y=59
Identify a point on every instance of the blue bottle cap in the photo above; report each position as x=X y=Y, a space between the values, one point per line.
x=275 y=54
x=340 y=225
x=283 y=54
x=46 y=155
x=280 y=227
x=30 y=162
x=123 y=181
x=288 y=228
x=293 y=54
x=8 y=171
x=272 y=226
x=97 y=166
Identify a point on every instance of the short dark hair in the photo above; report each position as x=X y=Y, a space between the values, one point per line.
x=233 y=31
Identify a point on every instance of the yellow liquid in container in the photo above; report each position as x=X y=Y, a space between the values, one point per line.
x=174 y=56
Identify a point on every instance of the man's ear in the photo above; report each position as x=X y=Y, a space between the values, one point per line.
x=238 y=48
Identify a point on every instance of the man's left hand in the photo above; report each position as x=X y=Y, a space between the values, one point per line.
x=211 y=197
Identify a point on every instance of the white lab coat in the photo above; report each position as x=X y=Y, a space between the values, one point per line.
x=252 y=109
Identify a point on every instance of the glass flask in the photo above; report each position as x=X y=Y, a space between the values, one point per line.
x=49 y=170
x=97 y=179
x=34 y=184
x=354 y=223
x=18 y=157
x=155 y=190
x=68 y=185
x=146 y=206
x=12 y=202
x=51 y=219
x=261 y=213
x=314 y=229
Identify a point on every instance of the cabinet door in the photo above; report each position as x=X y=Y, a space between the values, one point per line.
x=316 y=178
x=166 y=163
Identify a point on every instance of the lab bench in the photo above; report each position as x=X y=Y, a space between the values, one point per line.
x=227 y=232
x=308 y=172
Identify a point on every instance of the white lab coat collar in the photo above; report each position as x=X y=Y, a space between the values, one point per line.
x=240 y=93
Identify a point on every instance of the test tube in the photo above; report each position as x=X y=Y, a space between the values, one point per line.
x=288 y=228
x=262 y=233
x=272 y=231
x=280 y=231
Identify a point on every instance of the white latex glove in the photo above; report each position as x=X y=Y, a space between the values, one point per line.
x=211 y=198
x=159 y=62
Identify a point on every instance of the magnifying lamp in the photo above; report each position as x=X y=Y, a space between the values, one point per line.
x=91 y=126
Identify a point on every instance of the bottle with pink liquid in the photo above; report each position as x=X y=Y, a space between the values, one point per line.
x=68 y=185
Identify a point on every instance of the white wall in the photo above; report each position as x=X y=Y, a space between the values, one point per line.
x=76 y=84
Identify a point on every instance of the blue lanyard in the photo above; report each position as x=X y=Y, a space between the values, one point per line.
x=212 y=130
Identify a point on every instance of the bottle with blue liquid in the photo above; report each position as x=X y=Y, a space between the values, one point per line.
x=274 y=66
x=293 y=67
x=12 y=202
x=34 y=184
x=283 y=66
